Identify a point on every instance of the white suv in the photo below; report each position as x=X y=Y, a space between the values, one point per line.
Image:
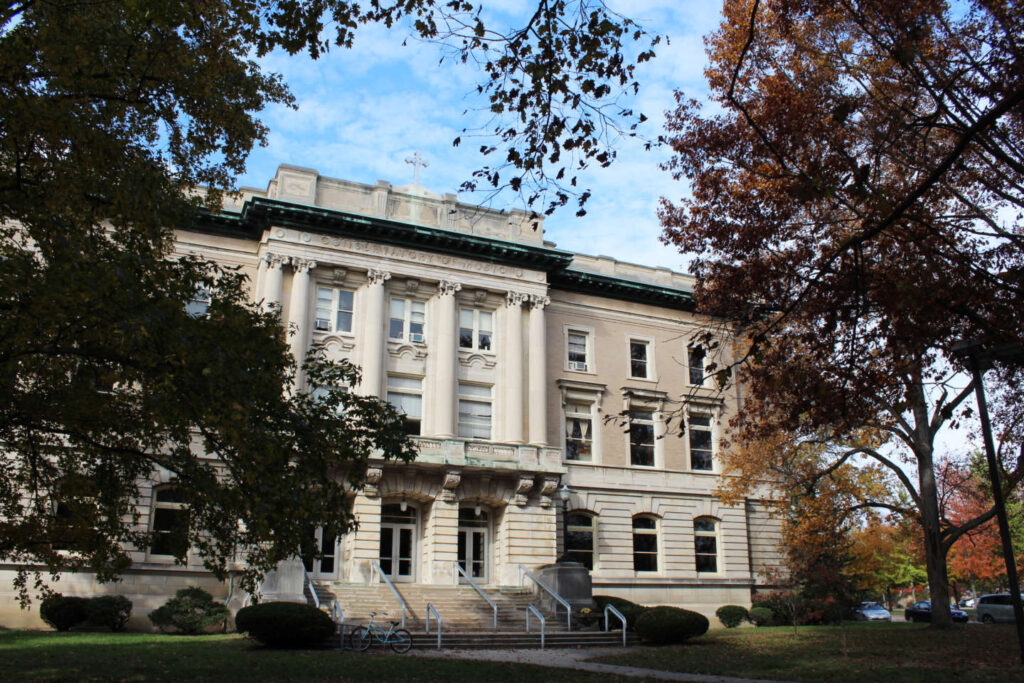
x=993 y=608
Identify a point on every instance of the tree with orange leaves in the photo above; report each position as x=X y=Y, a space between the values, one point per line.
x=855 y=211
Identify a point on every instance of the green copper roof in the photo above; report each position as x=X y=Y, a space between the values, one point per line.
x=260 y=213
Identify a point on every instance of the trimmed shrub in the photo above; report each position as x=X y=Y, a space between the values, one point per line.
x=109 y=611
x=191 y=611
x=761 y=616
x=284 y=624
x=64 y=613
x=630 y=610
x=661 y=625
x=732 y=616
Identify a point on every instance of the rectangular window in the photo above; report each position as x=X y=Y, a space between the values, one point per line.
x=199 y=306
x=579 y=538
x=645 y=544
x=333 y=310
x=696 y=364
x=170 y=523
x=705 y=541
x=579 y=432
x=407 y=320
x=475 y=329
x=700 y=443
x=578 y=351
x=639 y=365
x=641 y=438
x=474 y=411
x=406 y=394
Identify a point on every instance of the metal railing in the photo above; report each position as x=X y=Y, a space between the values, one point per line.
x=543 y=623
x=432 y=610
x=307 y=582
x=375 y=567
x=523 y=571
x=611 y=608
x=339 y=618
x=455 y=580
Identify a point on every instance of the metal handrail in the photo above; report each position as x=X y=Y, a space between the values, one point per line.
x=611 y=608
x=562 y=601
x=494 y=607
x=375 y=567
x=543 y=622
x=339 y=619
x=308 y=581
x=432 y=609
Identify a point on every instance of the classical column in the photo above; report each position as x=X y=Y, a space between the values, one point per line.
x=538 y=376
x=447 y=353
x=298 y=310
x=261 y=278
x=514 y=368
x=373 y=337
x=273 y=278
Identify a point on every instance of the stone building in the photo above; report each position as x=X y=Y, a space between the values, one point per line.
x=519 y=367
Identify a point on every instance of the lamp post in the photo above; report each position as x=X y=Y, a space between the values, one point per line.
x=979 y=359
x=563 y=493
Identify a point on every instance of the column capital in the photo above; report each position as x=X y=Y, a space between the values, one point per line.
x=276 y=260
x=539 y=303
x=303 y=265
x=515 y=299
x=377 y=277
x=448 y=287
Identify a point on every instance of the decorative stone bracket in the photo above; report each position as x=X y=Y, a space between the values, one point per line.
x=547 y=490
x=523 y=489
x=451 y=481
x=373 y=475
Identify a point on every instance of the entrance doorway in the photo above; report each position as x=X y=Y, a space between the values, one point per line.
x=398 y=541
x=474 y=542
x=326 y=566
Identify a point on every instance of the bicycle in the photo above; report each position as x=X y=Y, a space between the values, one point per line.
x=362 y=637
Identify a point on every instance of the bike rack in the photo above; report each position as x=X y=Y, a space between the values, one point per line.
x=432 y=610
x=494 y=607
x=558 y=598
x=610 y=608
x=375 y=567
x=543 y=623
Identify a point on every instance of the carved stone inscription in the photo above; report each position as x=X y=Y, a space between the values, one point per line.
x=387 y=251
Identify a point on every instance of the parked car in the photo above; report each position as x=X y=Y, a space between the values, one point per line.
x=871 y=611
x=922 y=611
x=968 y=603
x=995 y=607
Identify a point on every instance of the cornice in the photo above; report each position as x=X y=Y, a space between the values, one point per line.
x=260 y=213
x=625 y=290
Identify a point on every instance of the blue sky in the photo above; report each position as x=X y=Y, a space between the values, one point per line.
x=362 y=112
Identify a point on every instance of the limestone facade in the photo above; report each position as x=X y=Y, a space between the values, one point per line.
x=520 y=367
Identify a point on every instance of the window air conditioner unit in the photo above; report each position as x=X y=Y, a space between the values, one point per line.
x=415 y=337
x=577 y=365
x=322 y=324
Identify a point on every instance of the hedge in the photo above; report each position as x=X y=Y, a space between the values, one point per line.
x=630 y=610
x=191 y=611
x=663 y=624
x=732 y=616
x=285 y=624
x=65 y=612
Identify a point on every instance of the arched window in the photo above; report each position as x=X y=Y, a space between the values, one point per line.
x=579 y=537
x=169 y=522
x=705 y=542
x=645 y=543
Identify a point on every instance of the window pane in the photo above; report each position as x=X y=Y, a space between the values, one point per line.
x=169 y=494
x=399 y=382
x=485 y=342
x=700 y=421
x=645 y=543
x=644 y=523
x=345 y=300
x=398 y=308
x=707 y=563
x=344 y=323
x=466 y=317
x=577 y=348
x=696 y=362
x=395 y=329
x=705 y=544
x=485 y=322
x=408 y=404
x=704 y=525
x=580 y=520
x=645 y=562
x=637 y=359
x=465 y=337
x=475 y=390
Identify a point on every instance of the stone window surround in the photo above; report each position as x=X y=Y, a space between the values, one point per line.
x=574 y=391
x=713 y=410
x=591 y=357
x=651 y=375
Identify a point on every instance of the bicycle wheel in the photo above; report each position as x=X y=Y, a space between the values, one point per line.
x=401 y=640
x=360 y=639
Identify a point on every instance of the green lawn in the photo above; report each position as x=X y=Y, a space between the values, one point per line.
x=46 y=656
x=872 y=652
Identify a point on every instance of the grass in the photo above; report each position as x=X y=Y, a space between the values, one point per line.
x=46 y=656
x=873 y=652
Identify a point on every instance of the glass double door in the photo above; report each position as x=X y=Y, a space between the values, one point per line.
x=398 y=542
x=474 y=545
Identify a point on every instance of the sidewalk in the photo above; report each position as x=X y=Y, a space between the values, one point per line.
x=574 y=659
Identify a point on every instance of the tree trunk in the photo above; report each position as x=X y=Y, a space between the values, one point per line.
x=934 y=549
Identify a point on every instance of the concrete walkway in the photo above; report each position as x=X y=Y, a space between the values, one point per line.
x=575 y=659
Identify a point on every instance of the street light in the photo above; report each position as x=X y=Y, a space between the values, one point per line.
x=564 y=493
x=980 y=359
